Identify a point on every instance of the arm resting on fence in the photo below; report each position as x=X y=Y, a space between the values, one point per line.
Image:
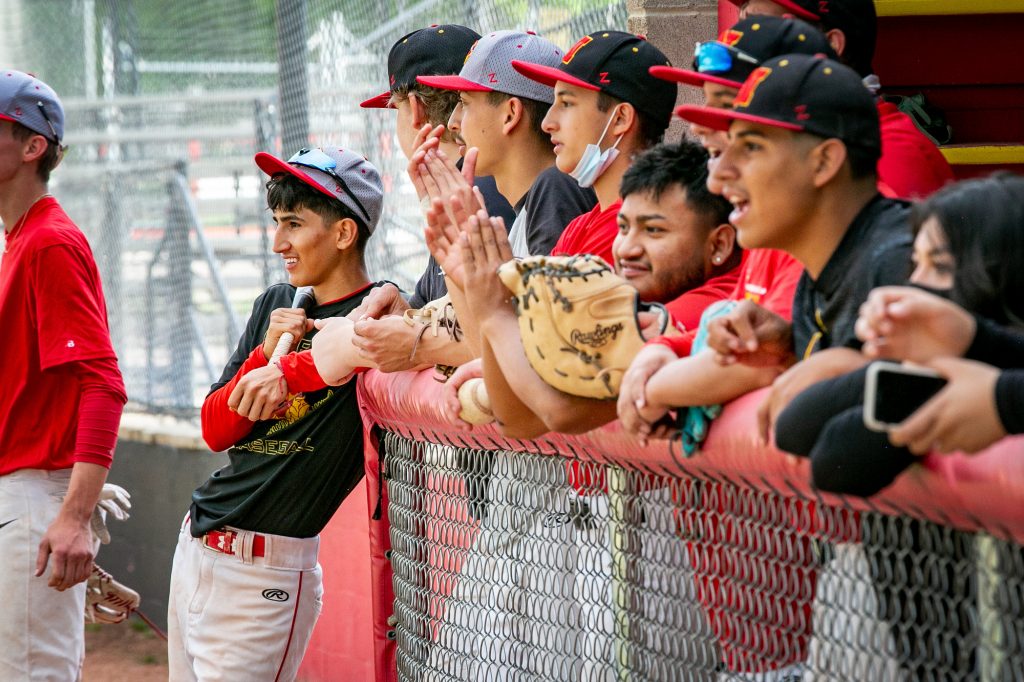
x=969 y=492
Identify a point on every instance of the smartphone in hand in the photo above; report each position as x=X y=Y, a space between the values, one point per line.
x=894 y=391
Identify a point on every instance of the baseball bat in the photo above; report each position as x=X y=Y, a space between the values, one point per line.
x=303 y=299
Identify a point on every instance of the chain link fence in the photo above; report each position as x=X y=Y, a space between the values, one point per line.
x=166 y=105
x=525 y=566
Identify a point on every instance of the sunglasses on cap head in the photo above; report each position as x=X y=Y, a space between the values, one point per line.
x=718 y=57
x=53 y=129
x=318 y=160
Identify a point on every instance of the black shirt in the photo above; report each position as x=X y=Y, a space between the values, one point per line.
x=1010 y=400
x=1003 y=347
x=431 y=285
x=287 y=476
x=874 y=252
x=553 y=201
x=997 y=345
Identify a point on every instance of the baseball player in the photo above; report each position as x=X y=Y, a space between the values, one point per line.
x=61 y=396
x=246 y=586
x=911 y=167
x=382 y=338
x=672 y=235
x=499 y=114
x=768 y=277
x=812 y=116
x=603 y=95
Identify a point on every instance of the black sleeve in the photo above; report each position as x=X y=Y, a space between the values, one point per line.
x=277 y=296
x=1010 y=400
x=996 y=345
x=891 y=265
x=430 y=286
x=497 y=204
x=555 y=199
x=892 y=262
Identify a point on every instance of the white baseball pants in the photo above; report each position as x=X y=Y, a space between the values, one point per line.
x=42 y=632
x=234 y=616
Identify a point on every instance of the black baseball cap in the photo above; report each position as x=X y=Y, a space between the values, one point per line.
x=741 y=49
x=857 y=19
x=804 y=9
x=439 y=49
x=615 y=63
x=802 y=93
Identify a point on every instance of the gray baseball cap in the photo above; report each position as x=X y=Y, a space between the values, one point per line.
x=339 y=173
x=29 y=101
x=488 y=66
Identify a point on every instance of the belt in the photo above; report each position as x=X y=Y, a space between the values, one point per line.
x=223 y=541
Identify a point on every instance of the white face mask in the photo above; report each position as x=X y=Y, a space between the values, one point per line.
x=594 y=162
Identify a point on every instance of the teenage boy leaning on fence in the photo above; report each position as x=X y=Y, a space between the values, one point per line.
x=606 y=110
x=250 y=541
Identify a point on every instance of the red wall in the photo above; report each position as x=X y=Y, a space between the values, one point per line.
x=342 y=645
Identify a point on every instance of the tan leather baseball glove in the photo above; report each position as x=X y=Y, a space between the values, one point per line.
x=578 y=321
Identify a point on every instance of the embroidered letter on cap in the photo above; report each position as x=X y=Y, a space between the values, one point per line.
x=746 y=93
x=471 y=48
x=730 y=37
x=583 y=42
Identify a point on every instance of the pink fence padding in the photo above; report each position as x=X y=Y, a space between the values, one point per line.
x=342 y=639
x=983 y=491
x=970 y=492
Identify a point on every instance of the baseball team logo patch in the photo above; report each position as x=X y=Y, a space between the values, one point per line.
x=730 y=37
x=275 y=595
x=571 y=54
x=746 y=93
x=471 y=48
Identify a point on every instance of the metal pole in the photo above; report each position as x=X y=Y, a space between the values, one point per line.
x=179 y=276
x=619 y=537
x=292 y=74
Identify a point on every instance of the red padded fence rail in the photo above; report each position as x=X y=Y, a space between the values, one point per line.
x=968 y=492
x=980 y=492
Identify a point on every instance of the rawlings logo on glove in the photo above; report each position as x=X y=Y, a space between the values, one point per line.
x=578 y=320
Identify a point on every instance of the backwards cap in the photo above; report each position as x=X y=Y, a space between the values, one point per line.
x=437 y=49
x=751 y=42
x=352 y=180
x=801 y=93
x=488 y=66
x=29 y=101
x=615 y=63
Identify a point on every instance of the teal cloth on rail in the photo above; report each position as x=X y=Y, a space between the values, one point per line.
x=695 y=422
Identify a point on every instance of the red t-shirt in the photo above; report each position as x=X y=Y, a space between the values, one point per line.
x=591 y=232
x=52 y=306
x=911 y=165
x=767 y=277
x=688 y=308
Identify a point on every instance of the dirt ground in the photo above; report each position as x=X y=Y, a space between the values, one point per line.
x=126 y=652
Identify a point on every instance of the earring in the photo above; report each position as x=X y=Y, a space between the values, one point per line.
x=717 y=260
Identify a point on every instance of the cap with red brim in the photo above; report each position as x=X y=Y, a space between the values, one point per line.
x=271 y=165
x=674 y=74
x=721 y=119
x=549 y=75
x=791 y=6
x=798 y=92
x=381 y=101
x=452 y=83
